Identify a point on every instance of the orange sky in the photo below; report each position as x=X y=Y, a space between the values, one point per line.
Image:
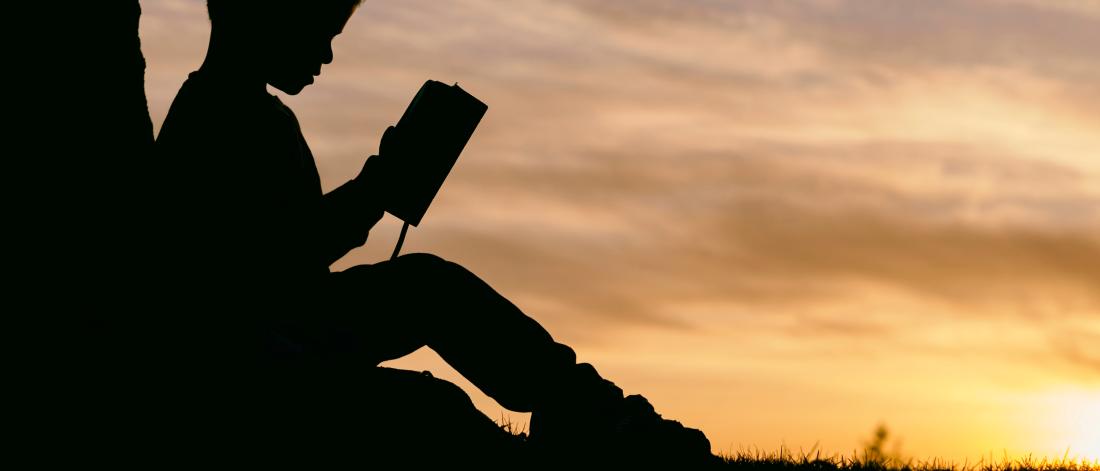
x=784 y=222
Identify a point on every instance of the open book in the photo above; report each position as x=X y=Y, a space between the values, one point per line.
x=435 y=128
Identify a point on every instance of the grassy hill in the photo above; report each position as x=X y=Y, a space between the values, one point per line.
x=788 y=461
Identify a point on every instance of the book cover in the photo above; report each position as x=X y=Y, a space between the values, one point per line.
x=435 y=128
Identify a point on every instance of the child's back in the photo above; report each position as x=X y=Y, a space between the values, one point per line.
x=240 y=174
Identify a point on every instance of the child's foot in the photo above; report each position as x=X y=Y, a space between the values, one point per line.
x=591 y=422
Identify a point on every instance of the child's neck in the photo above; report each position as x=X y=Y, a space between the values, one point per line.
x=226 y=63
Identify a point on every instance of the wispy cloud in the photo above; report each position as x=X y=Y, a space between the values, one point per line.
x=915 y=179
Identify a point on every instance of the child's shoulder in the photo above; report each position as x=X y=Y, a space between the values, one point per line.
x=222 y=104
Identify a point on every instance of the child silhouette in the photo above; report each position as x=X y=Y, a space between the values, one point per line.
x=253 y=229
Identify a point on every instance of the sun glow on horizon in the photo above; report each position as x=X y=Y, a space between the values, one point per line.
x=1077 y=416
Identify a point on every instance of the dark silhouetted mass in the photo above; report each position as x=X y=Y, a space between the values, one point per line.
x=224 y=333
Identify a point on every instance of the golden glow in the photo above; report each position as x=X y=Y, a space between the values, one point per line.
x=783 y=222
x=1077 y=420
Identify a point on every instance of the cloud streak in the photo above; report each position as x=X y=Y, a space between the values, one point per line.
x=741 y=189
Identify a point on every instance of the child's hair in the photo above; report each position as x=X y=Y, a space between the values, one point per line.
x=231 y=10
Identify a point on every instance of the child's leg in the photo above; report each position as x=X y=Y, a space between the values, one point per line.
x=393 y=308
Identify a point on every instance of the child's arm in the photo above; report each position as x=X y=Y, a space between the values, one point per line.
x=349 y=212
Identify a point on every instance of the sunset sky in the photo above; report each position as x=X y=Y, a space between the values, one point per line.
x=784 y=222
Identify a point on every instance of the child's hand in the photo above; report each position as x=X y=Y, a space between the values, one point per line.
x=391 y=144
x=378 y=169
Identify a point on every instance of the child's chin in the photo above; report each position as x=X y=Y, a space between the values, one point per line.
x=291 y=88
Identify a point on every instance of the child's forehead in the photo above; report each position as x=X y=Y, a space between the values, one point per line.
x=323 y=16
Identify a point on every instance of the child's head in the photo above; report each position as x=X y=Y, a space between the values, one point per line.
x=284 y=42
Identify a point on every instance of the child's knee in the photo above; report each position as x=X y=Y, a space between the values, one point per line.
x=420 y=259
x=430 y=266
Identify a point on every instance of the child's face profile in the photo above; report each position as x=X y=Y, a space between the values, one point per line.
x=301 y=44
